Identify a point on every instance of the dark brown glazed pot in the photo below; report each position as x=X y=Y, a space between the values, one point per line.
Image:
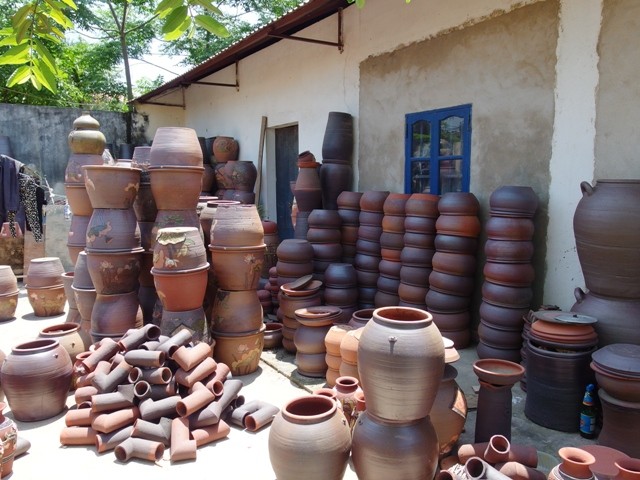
x=423 y=225
x=458 y=203
x=505 y=251
x=620 y=421
x=461 y=225
x=112 y=230
x=175 y=146
x=391 y=255
x=115 y=314
x=386 y=299
x=499 y=337
x=607 y=233
x=236 y=225
x=509 y=274
x=422 y=205
x=176 y=187
x=337 y=142
x=502 y=316
x=452 y=321
x=390 y=268
x=225 y=149
x=322 y=218
x=419 y=240
x=486 y=351
x=341 y=275
x=36 y=377
x=454 y=263
x=370 y=218
x=373 y=201
x=456 y=244
x=367 y=263
x=111 y=186
x=452 y=284
x=510 y=229
x=328 y=252
x=412 y=293
x=78 y=199
x=114 y=272
x=513 y=201
x=334 y=179
x=236 y=311
x=369 y=247
x=418 y=276
x=388 y=284
x=243 y=175
x=178 y=248
x=182 y=290
x=324 y=235
x=417 y=257
x=288 y=271
x=514 y=297
x=295 y=251
x=349 y=218
x=349 y=235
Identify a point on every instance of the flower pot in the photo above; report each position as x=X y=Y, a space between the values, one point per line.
x=236 y=311
x=176 y=187
x=178 y=248
x=422 y=205
x=513 y=201
x=236 y=225
x=111 y=186
x=225 y=149
x=182 y=290
x=45 y=272
x=460 y=225
x=70 y=337
x=240 y=351
x=458 y=203
x=47 y=301
x=237 y=268
x=112 y=230
x=175 y=146
x=78 y=199
x=73 y=173
x=113 y=315
x=114 y=272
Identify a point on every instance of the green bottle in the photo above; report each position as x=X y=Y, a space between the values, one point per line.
x=588 y=414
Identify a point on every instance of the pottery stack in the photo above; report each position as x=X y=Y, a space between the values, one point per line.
x=401 y=361
x=341 y=289
x=87 y=144
x=391 y=246
x=45 y=289
x=307 y=192
x=237 y=255
x=224 y=149
x=113 y=248
x=301 y=293
x=241 y=176
x=349 y=352
x=271 y=240
x=368 y=250
x=73 y=315
x=295 y=260
x=336 y=172
x=309 y=338
x=209 y=175
x=8 y=293
x=324 y=236
x=333 y=357
x=508 y=272
x=607 y=233
x=84 y=292
x=421 y=214
x=452 y=281
x=349 y=211
x=273 y=287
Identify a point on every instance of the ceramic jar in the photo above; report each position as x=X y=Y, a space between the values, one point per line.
x=112 y=229
x=70 y=337
x=337 y=143
x=87 y=140
x=513 y=201
x=176 y=146
x=178 y=248
x=237 y=268
x=449 y=411
x=45 y=272
x=225 y=149
x=240 y=351
x=236 y=225
x=176 y=187
x=47 y=301
x=114 y=272
x=308 y=190
x=236 y=311
x=208 y=214
x=182 y=290
x=309 y=438
x=8 y=293
x=111 y=186
x=36 y=377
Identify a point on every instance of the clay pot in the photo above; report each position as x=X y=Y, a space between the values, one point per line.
x=77 y=236
x=417 y=276
x=395 y=203
x=236 y=225
x=175 y=218
x=44 y=272
x=182 y=290
x=208 y=214
x=452 y=321
x=8 y=281
x=81 y=277
x=295 y=251
x=70 y=337
x=576 y=462
x=419 y=240
x=334 y=179
x=78 y=199
x=509 y=274
x=458 y=203
x=513 y=201
x=422 y=205
x=510 y=229
x=422 y=225
x=412 y=293
x=194 y=321
x=619 y=386
x=449 y=411
x=394 y=349
x=225 y=149
x=237 y=268
x=73 y=173
x=85 y=299
x=9 y=440
x=461 y=225
x=36 y=377
x=86 y=141
x=456 y=244
x=175 y=146
x=349 y=200
x=144 y=205
x=141 y=159
x=176 y=187
x=113 y=315
x=337 y=142
x=390 y=268
x=178 y=248
x=504 y=251
x=240 y=351
x=373 y=201
x=620 y=419
x=236 y=312
x=383 y=450
x=309 y=438
x=111 y=186
x=8 y=306
x=502 y=316
x=360 y=318
x=243 y=175
x=628 y=469
x=417 y=257
x=371 y=218
x=513 y=297
x=451 y=284
x=113 y=273
x=346 y=389
x=273 y=335
x=47 y=301
x=112 y=230
x=499 y=337
x=445 y=302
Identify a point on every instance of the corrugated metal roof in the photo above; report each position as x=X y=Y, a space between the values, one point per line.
x=298 y=19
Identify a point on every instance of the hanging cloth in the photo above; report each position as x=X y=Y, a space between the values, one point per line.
x=29 y=199
x=10 y=198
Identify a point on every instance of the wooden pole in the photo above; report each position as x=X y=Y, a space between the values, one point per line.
x=263 y=129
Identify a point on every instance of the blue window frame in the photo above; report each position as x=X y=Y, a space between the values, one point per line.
x=438 y=150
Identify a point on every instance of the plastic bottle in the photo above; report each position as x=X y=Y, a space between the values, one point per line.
x=588 y=414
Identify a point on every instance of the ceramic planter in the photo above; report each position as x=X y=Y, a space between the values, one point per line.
x=144 y=205
x=236 y=311
x=240 y=351
x=111 y=186
x=176 y=187
x=183 y=290
x=175 y=146
x=47 y=301
x=45 y=272
x=114 y=272
x=8 y=306
x=70 y=337
x=237 y=268
x=236 y=226
x=113 y=315
x=178 y=248
x=73 y=173
x=225 y=149
x=78 y=199
x=112 y=230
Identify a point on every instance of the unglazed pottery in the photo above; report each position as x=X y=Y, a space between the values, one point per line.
x=111 y=186
x=47 y=301
x=240 y=351
x=175 y=146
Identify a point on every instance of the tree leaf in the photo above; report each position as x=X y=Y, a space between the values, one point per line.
x=175 y=20
x=19 y=76
x=208 y=5
x=178 y=31
x=23 y=30
x=167 y=6
x=16 y=55
x=10 y=40
x=70 y=3
x=44 y=75
x=212 y=25
x=35 y=82
x=60 y=18
x=22 y=13
x=45 y=55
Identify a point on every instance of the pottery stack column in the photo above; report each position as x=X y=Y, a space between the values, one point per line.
x=349 y=211
x=307 y=192
x=336 y=172
x=224 y=149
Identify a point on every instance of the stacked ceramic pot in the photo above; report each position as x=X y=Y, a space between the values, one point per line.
x=452 y=281
x=73 y=315
x=617 y=371
x=391 y=246
x=45 y=289
x=324 y=236
x=508 y=272
x=224 y=149
x=87 y=144
x=341 y=289
x=84 y=292
x=295 y=260
x=309 y=338
x=179 y=272
x=333 y=357
x=401 y=362
x=349 y=352
x=209 y=176
x=301 y=293
x=146 y=212
x=273 y=287
x=349 y=211
x=113 y=248
x=421 y=213
x=271 y=240
x=8 y=293
x=237 y=254
x=307 y=192
x=559 y=352
x=607 y=234
x=336 y=173
x=368 y=248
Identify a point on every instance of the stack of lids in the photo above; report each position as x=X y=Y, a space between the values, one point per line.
x=560 y=330
x=617 y=368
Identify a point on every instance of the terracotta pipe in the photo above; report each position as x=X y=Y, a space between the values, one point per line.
x=158 y=432
x=79 y=417
x=200 y=397
x=188 y=357
x=84 y=394
x=109 y=382
x=239 y=414
x=497 y=450
x=261 y=417
x=150 y=345
x=215 y=383
x=107 y=349
x=158 y=392
x=77 y=436
x=174 y=342
x=518 y=471
x=153 y=409
x=108 y=402
x=446 y=475
x=476 y=469
x=145 y=358
x=108 y=422
x=154 y=376
x=139 y=448
x=142 y=390
x=116 y=359
x=136 y=336
x=209 y=434
x=199 y=372
x=182 y=447
x=524 y=454
x=109 y=441
x=212 y=413
x=86 y=379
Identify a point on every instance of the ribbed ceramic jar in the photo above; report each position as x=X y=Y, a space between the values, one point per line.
x=400 y=363
x=175 y=146
x=236 y=225
x=36 y=377
x=309 y=439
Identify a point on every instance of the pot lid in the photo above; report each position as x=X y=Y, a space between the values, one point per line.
x=558 y=329
x=623 y=358
x=575 y=318
x=301 y=282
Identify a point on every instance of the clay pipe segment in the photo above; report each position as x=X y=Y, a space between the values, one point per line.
x=158 y=432
x=524 y=454
x=150 y=345
x=135 y=337
x=154 y=376
x=108 y=402
x=106 y=349
x=476 y=469
x=109 y=441
x=518 y=471
x=77 y=436
x=211 y=433
x=84 y=394
x=215 y=383
x=497 y=450
x=103 y=367
x=261 y=417
x=153 y=409
x=211 y=414
x=174 y=342
x=199 y=372
x=145 y=358
x=188 y=357
x=79 y=417
x=109 y=382
x=182 y=447
x=108 y=422
x=446 y=475
x=200 y=397
x=139 y=448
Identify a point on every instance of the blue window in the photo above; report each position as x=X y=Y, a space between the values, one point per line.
x=438 y=150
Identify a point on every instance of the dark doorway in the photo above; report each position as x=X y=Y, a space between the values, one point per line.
x=286 y=172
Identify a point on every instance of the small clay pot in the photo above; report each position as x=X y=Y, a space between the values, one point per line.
x=367 y=263
x=289 y=271
x=237 y=268
x=395 y=203
x=446 y=303
x=47 y=301
x=349 y=200
x=295 y=251
x=452 y=284
x=45 y=272
x=78 y=199
x=176 y=187
x=324 y=235
x=373 y=201
x=507 y=251
x=111 y=186
x=417 y=257
x=502 y=316
x=371 y=218
x=418 y=276
x=390 y=268
x=412 y=293
x=458 y=203
x=575 y=462
x=70 y=337
x=225 y=149
x=514 y=297
x=392 y=240
x=509 y=274
x=510 y=229
x=419 y=240
x=454 y=264
x=113 y=315
x=452 y=321
x=456 y=244
x=393 y=223
x=422 y=205
x=321 y=218
x=513 y=201
x=273 y=335
x=73 y=173
x=461 y=225
x=175 y=146
x=424 y=225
